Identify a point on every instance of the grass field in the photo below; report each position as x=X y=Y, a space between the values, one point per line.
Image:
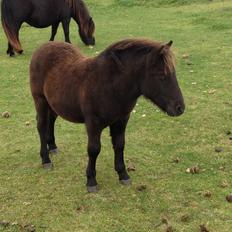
x=57 y=200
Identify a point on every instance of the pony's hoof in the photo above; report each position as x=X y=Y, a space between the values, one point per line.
x=92 y=189
x=54 y=151
x=48 y=166
x=125 y=182
x=20 y=51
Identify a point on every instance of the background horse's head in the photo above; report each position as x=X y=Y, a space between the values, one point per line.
x=160 y=84
x=84 y=21
x=86 y=31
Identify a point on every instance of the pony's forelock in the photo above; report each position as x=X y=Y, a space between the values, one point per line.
x=169 y=61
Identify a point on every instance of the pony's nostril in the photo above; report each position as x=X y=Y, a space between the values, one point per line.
x=180 y=109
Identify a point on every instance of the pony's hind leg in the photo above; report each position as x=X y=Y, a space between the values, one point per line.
x=17 y=34
x=50 y=131
x=15 y=43
x=117 y=132
x=42 y=124
x=54 y=30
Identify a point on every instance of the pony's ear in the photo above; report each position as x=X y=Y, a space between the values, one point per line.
x=169 y=44
x=166 y=47
x=91 y=21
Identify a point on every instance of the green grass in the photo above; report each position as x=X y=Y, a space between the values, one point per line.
x=57 y=200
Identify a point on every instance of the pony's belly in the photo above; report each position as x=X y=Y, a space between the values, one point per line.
x=75 y=119
x=39 y=24
x=69 y=113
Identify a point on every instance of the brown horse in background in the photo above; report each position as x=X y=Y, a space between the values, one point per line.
x=100 y=92
x=44 y=13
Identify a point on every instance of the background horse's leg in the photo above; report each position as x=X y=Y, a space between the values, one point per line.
x=10 y=50
x=42 y=112
x=94 y=147
x=15 y=33
x=51 y=118
x=117 y=132
x=54 y=30
x=65 y=24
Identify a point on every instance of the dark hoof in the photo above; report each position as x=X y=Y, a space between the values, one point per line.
x=48 y=166
x=125 y=182
x=11 y=54
x=20 y=51
x=54 y=151
x=92 y=189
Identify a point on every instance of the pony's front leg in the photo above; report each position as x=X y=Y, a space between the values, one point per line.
x=117 y=132
x=54 y=31
x=65 y=24
x=94 y=147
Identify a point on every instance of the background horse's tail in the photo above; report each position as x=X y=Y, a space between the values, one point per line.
x=9 y=25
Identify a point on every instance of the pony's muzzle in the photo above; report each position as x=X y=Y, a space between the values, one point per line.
x=176 y=109
x=92 y=41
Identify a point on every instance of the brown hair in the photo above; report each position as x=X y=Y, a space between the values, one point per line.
x=145 y=46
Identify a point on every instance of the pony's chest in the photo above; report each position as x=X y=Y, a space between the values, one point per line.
x=110 y=111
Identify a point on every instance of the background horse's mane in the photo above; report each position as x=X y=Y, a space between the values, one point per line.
x=143 y=46
x=80 y=12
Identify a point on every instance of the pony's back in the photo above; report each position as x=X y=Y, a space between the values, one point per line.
x=54 y=54
x=52 y=59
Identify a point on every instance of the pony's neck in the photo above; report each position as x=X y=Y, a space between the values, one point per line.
x=79 y=11
x=126 y=74
x=134 y=67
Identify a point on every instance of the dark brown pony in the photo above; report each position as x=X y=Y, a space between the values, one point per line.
x=44 y=13
x=100 y=92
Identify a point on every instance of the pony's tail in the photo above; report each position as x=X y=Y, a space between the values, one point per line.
x=9 y=27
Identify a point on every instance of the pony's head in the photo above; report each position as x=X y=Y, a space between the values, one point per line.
x=84 y=20
x=85 y=23
x=150 y=66
x=159 y=83
x=86 y=31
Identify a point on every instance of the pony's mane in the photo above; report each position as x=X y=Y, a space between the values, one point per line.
x=143 y=46
x=80 y=11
